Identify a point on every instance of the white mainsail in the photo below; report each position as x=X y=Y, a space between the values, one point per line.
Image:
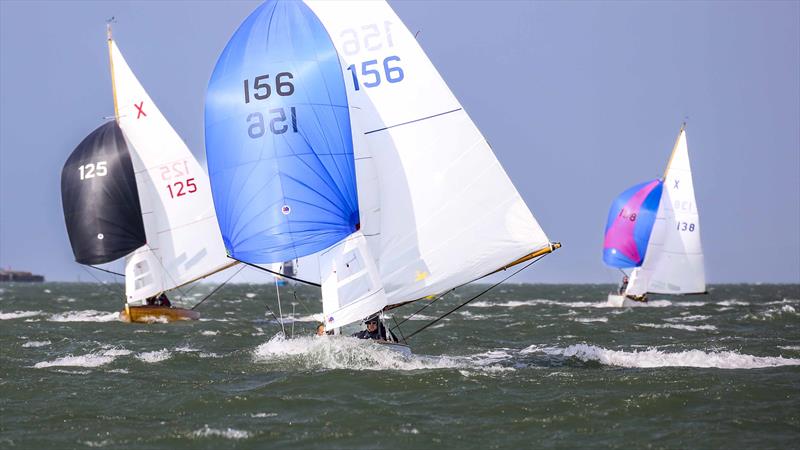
x=446 y=212
x=674 y=262
x=183 y=241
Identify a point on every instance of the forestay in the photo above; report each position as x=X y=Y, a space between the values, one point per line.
x=674 y=263
x=183 y=241
x=448 y=213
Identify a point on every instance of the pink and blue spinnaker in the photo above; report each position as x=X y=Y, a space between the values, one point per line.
x=630 y=222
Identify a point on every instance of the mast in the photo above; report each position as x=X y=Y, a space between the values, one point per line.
x=111 y=67
x=674 y=148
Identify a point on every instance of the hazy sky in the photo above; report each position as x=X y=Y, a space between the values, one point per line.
x=579 y=100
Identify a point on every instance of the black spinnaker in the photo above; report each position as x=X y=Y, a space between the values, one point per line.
x=100 y=199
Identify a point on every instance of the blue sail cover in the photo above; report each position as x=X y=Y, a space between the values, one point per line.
x=278 y=140
x=630 y=222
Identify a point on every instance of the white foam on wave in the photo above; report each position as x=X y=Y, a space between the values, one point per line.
x=694 y=318
x=228 y=433
x=339 y=352
x=678 y=326
x=732 y=302
x=209 y=333
x=95 y=359
x=590 y=319
x=250 y=295
x=19 y=314
x=789 y=347
x=773 y=313
x=35 y=344
x=154 y=356
x=656 y=358
x=90 y=315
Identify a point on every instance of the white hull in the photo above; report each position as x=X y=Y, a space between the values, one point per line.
x=620 y=301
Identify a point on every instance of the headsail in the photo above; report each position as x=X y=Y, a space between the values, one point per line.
x=100 y=200
x=183 y=241
x=674 y=263
x=449 y=214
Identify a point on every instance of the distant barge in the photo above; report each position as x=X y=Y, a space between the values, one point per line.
x=7 y=276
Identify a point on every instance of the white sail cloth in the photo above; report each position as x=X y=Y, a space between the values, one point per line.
x=674 y=262
x=446 y=212
x=183 y=241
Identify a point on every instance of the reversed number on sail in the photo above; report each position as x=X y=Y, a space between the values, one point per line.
x=279 y=122
x=174 y=169
x=181 y=188
x=685 y=226
x=368 y=38
x=91 y=170
x=262 y=89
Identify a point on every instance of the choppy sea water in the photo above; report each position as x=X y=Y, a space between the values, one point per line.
x=543 y=366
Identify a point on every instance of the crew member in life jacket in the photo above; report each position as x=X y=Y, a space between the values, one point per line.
x=375 y=330
x=624 y=285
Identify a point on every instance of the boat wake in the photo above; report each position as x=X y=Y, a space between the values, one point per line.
x=656 y=358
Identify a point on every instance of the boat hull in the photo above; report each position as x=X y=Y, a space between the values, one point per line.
x=622 y=301
x=150 y=314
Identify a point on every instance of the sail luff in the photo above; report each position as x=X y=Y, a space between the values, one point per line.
x=111 y=67
x=674 y=149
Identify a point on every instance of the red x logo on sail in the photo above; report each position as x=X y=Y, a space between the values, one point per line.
x=139 y=108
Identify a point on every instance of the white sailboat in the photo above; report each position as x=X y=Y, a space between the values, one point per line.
x=672 y=261
x=407 y=198
x=172 y=197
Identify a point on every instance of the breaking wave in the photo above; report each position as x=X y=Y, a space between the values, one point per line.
x=339 y=352
x=19 y=314
x=228 y=433
x=95 y=359
x=155 y=356
x=656 y=358
x=90 y=315
x=679 y=326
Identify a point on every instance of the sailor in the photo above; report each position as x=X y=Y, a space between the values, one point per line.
x=320 y=329
x=375 y=330
x=372 y=330
x=624 y=285
x=159 y=300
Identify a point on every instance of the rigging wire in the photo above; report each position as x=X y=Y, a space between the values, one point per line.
x=280 y=313
x=440 y=296
x=107 y=271
x=217 y=288
x=103 y=283
x=473 y=298
x=277 y=273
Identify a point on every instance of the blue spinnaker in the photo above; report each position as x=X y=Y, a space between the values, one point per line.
x=630 y=223
x=278 y=139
